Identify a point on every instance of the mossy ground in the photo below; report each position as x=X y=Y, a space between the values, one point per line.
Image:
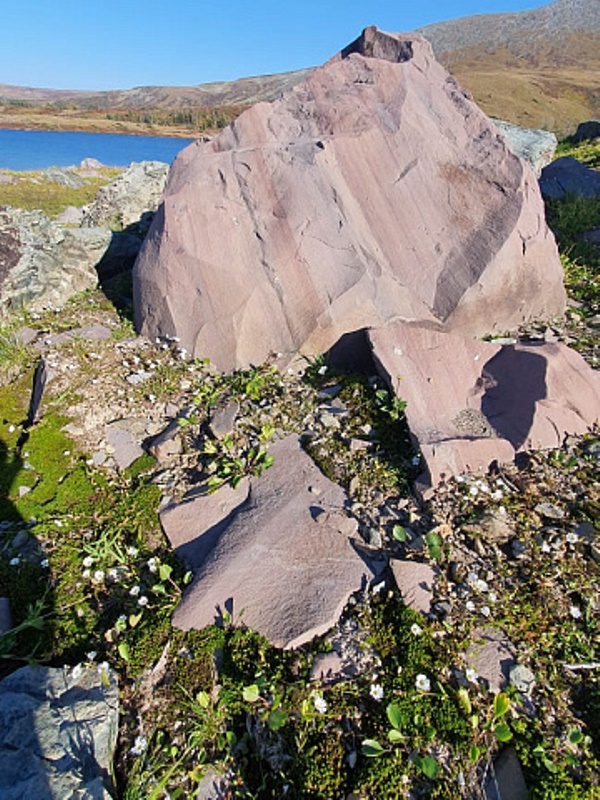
x=91 y=579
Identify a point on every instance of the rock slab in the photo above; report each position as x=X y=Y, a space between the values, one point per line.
x=374 y=190
x=470 y=402
x=58 y=733
x=276 y=553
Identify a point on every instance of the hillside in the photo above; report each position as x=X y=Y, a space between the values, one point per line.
x=534 y=68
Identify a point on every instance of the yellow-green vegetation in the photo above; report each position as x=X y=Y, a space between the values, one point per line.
x=35 y=190
x=91 y=579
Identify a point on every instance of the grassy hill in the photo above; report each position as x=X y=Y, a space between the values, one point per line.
x=538 y=68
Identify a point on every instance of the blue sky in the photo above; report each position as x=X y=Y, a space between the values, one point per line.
x=119 y=44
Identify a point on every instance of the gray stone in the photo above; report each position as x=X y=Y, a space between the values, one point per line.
x=533 y=145
x=491 y=655
x=70 y=216
x=122 y=438
x=42 y=263
x=550 y=511
x=415 y=582
x=64 y=176
x=567 y=176
x=92 y=333
x=327 y=668
x=213 y=786
x=58 y=732
x=279 y=558
x=130 y=198
x=522 y=678
x=506 y=780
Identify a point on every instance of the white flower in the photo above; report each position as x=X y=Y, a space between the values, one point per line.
x=485 y=610
x=98 y=576
x=473 y=491
x=575 y=612
x=322 y=370
x=58 y=523
x=481 y=585
x=132 y=551
x=572 y=538
x=112 y=575
x=86 y=573
x=497 y=495
x=143 y=600
x=44 y=563
x=134 y=591
x=77 y=672
x=91 y=655
x=320 y=703
x=376 y=691
x=151 y=564
x=470 y=605
x=88 y=561
x=139 y=746
x=471 y=675
x=14 y=561
x=103 y=668
x=545 y=548
x=422 y=683
x=415 y=629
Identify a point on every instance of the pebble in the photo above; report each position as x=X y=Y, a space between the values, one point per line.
x=549 y=511
x=522 y=678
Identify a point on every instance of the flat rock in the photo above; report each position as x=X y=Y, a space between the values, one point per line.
x=58 y=733
x=491 y=655
x=277 y=555
x=123 y=437
x=373 y=190
x=470 y=402
x=415 y=582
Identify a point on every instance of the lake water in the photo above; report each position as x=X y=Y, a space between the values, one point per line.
x=24 y=150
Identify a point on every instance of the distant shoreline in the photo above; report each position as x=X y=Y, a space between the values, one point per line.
x=93 y=125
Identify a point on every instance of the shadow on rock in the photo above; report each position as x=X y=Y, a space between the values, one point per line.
x=513 y=381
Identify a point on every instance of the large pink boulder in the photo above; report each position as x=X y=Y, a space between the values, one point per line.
x=375 y=190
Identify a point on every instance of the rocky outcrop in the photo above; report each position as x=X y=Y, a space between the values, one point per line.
x=373 y=191
x=278 y=553
x=130 y=199
x=58 y=733
x=535 y=146
x=42 y=263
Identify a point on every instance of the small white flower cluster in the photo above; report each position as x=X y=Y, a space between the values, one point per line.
x=422 y=683
x=320 y=703
x=376 y=691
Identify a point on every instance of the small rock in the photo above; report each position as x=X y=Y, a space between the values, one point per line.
x=491 y=655
x=120 y=436
x=549 y=511
x=491 y=527
x=373 y=537
x=222 y=421
x=213 y=786
x=327 y=668
x=415 y=582
x=506 y=781
x=522 y=678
